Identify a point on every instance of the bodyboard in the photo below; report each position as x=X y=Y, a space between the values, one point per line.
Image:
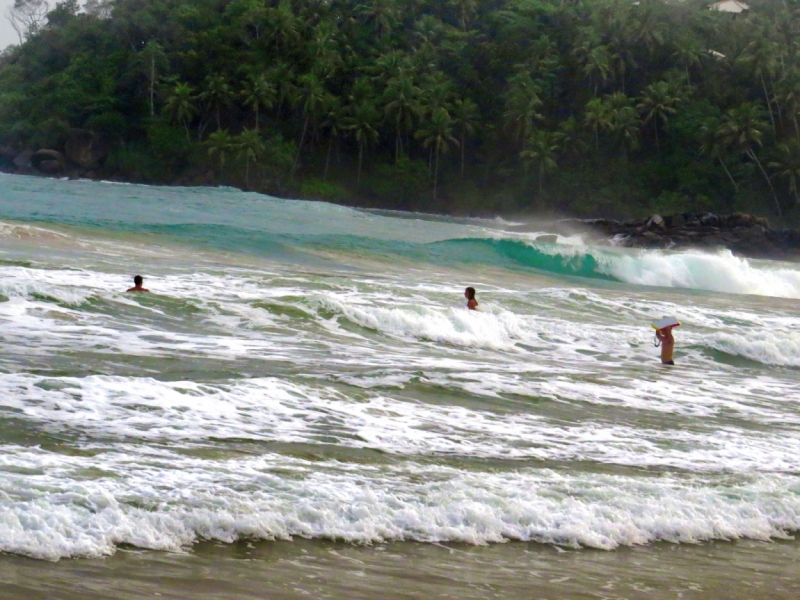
x=665 y=322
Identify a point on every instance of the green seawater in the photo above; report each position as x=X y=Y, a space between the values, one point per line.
x=304 y=405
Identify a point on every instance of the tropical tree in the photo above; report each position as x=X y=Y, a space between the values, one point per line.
x=465 y=119
x=437 y=134
x=787 y=96
x=284 y=25
x=522 y=106
x=216 y=95
x=251 y=148
x=787 y=165
x=712 y=147
x=219 y=144
x=383 y=14
x=311 y=97
x=657 y=102
x=466 y=11
x=256 y=93
x=152 y=61
x=360 y=122
x=401 y=106
x=598 y=117
x=624 y=121
x=598 y=65
x=689 y=52
x=333 y=121
x=741 y=130
x=180 y=106
x=761 y=56
x=543 y=149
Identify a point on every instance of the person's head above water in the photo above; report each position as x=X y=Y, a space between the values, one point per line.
x=138 y=280
x=469 y=293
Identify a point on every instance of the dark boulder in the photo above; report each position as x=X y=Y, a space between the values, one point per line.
x=51 y=162
x=86 y=148
x=23 y=160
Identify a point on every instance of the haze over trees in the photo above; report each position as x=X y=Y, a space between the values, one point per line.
x=601 y=107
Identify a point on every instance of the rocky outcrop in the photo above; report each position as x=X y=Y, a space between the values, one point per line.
x=50 y=162
x=22 y=161
x=86 y=148
x=744 y=234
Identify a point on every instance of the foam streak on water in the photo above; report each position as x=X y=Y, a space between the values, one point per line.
x=308 y=370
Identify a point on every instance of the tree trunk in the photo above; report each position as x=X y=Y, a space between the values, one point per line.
x=752 y=155
x=152 y=85
x=541 y=177
x=655 y=126
x=436 y=173
x=256 y=107
x=360 y=157
x=733 y=181
x=327 y=159
x=463 y=143
x=769 y=105
x=300 y=147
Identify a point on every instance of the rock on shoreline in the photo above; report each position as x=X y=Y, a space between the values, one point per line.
x=743 y=234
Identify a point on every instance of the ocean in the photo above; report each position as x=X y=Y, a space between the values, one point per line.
x=303 y=406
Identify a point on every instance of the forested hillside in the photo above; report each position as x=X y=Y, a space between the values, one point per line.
x=601 y=107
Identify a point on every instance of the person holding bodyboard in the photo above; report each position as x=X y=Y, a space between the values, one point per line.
x=664 y=329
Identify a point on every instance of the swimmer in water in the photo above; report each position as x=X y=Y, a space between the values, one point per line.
x=137 y=285
x=667 y=345
x=469 y=294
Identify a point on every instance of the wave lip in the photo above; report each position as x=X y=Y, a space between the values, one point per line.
x=712 y=271
x=150 y=506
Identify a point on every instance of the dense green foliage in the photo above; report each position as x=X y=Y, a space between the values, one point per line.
x=597 y=107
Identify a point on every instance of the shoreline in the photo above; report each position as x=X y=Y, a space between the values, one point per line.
x=315 y=568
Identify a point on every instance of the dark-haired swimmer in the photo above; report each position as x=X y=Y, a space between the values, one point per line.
x=137 y=285
x=469 y=294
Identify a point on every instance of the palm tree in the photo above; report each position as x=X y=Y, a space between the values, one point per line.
x=741 y=129
x=787 y=165
x=333 y=122
x=180 y=106
x=543 y=149
x=761 y=55
x=401 y=105
x=689 y=53
x=465 y=118
x=624 y=121
x=788 y=96
x=598 y=118
x=437 y=134
x=284 y=24
x=657 y=102
x=152 y=59
x=711 y=147
x=436 y=91
x=217 y=95
x=466 y=10
x=522 y=106
x=384 y=14
x=598 y=65
x=360 y=122
x=257 y=92
x=310 y=97
x=220 y=143
x=249 y=146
